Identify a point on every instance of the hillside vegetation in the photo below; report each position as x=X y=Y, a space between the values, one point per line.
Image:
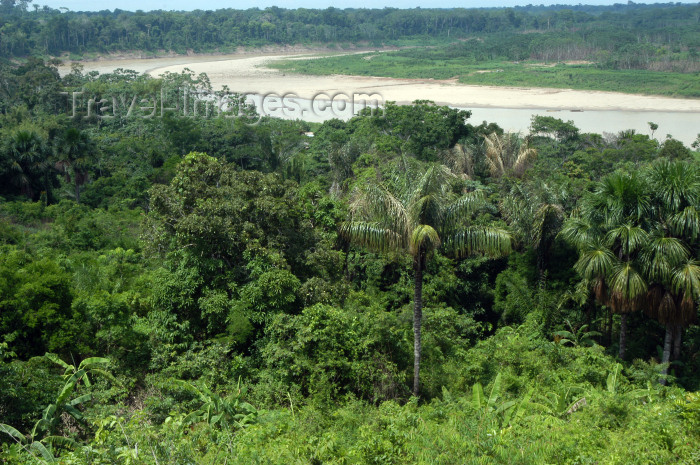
x=406 y=286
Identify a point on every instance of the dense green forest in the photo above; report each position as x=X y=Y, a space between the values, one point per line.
x=403 y=287
x=630 y=36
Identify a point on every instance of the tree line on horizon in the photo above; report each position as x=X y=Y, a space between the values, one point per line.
x=631 y=36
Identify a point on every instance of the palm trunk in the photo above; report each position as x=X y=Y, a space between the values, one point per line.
x=540 y=263
x=667 y=351
x=417 y=317
x=623 y=335
x=677 y=335
x=77 y=193
x=589 y=312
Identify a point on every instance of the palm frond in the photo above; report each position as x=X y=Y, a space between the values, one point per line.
x=494 y=154
x=686 y=223
x=595 y=261
x=686 y=280
x=667 y=311
x=655 y=295
x=577 y=231
x=526 y=155
x=485 y=240
x=661 y=256
x=627 y=288
x=425 y=238
x=600 y=289
x=675 y=185
x=436 y=179
x=620 y=198
x=426 y=209
x=376 y=203
x=629 y=237
x=463 y=208
x=460 y=160
x=547 y=222
x=372 y=235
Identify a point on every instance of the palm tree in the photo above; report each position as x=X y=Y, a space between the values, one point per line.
x=417 y=216
x=508 y=154
x=628 y=287
x=25 y=150
x=609 y=235
x=75 y=153
x=286 y=147
x=670 y=256
x=594 y=264
x=460 y=160
x=536 y=215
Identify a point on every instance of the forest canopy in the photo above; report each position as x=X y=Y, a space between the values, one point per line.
x=621 y=36
x=406 y=286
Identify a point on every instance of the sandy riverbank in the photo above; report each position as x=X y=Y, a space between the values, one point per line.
x=247 y=73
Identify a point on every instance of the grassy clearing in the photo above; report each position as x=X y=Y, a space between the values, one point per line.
x=587 y=77
x=501 y=73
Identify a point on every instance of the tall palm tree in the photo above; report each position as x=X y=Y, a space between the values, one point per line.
x=628 y=286
x=417 y=216
x=75 y=152
x=609 y=235
x=595 y=261
x=670 y=256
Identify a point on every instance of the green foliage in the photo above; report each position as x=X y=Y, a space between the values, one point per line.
x=65 y=403
x=226 y=413
x=35 y=304
x=274 y=291
x=538 y=423
x=626 y=36
x=576 y=337
x=329 y=352
x=212 y=269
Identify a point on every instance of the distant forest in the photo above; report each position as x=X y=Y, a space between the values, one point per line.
x=622 y=36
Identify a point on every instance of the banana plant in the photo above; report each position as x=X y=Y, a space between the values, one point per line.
x=65 y=402
x=229 y=412
x=613 y=379
x=505 y=413
x=580 y=337
x=47 y=425
x=89 y=366
x=564 y=402
x=38 y=449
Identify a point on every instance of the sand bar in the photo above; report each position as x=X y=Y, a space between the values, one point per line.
x=247 y=73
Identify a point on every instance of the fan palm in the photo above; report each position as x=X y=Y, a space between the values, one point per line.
x=609 y=235
x=75 y=152
x=418 y=216
x=669 y=257
x=26 y=153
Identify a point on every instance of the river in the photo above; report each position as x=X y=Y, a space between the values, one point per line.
x=512 y=108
